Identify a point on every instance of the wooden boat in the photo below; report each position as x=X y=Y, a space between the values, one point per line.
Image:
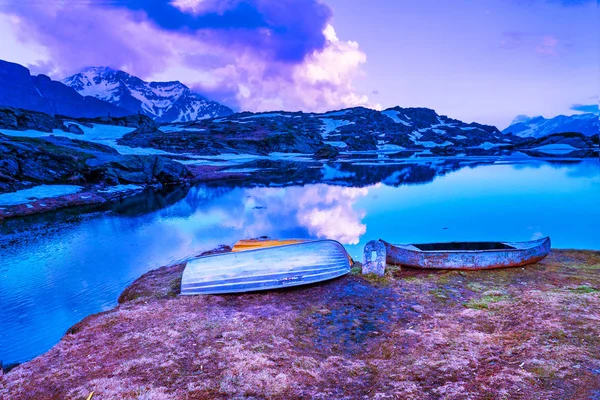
x=467 y=255
x=266 y=268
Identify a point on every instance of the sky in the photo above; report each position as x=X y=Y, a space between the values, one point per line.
x=476 y=60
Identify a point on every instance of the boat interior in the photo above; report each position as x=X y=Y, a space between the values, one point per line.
x=463 y=246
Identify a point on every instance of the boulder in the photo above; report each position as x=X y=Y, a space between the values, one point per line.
x=327 y=152
x=72 y=128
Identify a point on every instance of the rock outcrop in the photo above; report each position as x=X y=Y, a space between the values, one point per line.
x=27 y=162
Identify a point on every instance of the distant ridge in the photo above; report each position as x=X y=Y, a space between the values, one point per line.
x=536 y=127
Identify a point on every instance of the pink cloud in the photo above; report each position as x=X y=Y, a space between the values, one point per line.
x=547 y=46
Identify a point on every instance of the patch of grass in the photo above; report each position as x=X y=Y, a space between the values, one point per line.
x=262 y=348
x=484 y=302
x=543 y=372
x=445 y=294
x=175 y=287
x=445 y=278
x=356 y=269
x=411 y=279
x=584 y=289
x=439 y=293
x=558 y=335
x=475 y=286
x=384 y=280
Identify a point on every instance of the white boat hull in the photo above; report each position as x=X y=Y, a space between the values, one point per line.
x=267 y=268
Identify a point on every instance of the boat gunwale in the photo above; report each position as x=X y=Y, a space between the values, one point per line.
x=414 y=249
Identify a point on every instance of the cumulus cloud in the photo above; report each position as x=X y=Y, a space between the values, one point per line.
x=252 y=54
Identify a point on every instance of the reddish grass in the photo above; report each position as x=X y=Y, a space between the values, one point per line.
x=531 y=333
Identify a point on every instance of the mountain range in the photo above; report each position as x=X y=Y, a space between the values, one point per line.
x=20 y=89
x=536 y=127
x=102 y=91
x=161 y=101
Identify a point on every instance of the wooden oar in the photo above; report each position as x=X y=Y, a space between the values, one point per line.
x=251 y=244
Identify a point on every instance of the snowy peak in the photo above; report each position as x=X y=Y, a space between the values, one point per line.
x=20 y=89
x=536 y=127
x=162 y=101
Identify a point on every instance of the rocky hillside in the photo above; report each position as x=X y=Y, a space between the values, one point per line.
x=162 y=101
x=18 y=88
x=28 y=161
x=260 y=136
x=354 y=129
x=536 y=127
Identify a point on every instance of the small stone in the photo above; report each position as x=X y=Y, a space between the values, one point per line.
x=417 y=308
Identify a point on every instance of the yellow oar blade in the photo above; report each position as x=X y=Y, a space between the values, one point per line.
x=252 y=244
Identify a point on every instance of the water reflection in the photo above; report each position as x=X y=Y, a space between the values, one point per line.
x=58 y=268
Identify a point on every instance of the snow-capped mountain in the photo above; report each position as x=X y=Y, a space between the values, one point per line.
x=20 y=89
x=162 y=101
x=536 y=127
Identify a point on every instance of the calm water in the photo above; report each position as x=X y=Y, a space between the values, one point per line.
x=56 y=270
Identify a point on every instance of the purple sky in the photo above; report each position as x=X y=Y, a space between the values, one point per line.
x=486 y=61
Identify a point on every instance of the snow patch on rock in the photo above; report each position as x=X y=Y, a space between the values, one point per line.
x=25 y=196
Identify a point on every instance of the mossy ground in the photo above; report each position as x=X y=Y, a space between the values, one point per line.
x=518 y=333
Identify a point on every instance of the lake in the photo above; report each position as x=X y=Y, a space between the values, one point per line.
x=57 y=269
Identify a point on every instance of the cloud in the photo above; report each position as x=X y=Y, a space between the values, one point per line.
x=519 y=119
x=281 y=32
x=586 y=108
x=252 y=54
x=547 y=46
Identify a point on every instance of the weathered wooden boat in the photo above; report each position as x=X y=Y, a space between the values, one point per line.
x=266 y=268
x=467 y=255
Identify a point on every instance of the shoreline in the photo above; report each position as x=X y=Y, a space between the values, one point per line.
x=503 y=331
x=97 y=195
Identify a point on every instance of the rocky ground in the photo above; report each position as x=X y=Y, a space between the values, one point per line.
x=518 y=333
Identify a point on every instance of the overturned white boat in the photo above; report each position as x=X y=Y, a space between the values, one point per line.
x=266 y=268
